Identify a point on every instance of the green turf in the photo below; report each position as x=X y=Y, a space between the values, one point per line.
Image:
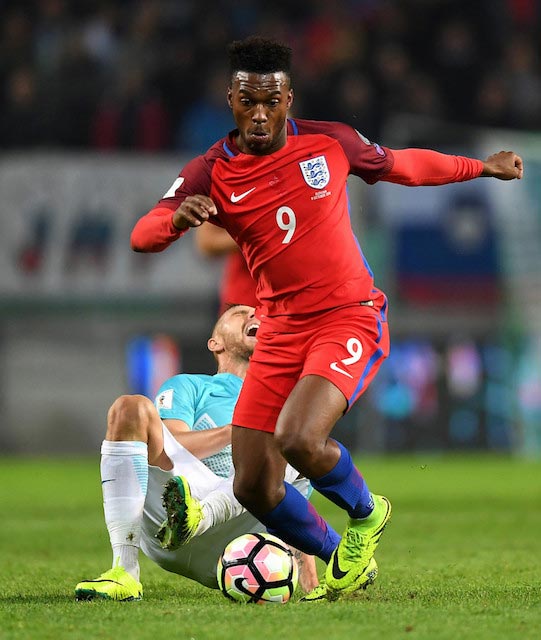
x=460 y=559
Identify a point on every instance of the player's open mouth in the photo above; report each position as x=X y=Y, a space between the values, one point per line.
x=251 y=329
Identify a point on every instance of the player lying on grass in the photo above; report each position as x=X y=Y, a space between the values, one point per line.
x=147 y=445
x=278 y=185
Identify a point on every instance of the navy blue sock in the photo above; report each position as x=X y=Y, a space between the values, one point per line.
x=345 y=486
x=295 y=521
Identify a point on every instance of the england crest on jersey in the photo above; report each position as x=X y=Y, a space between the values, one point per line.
x=316 y=172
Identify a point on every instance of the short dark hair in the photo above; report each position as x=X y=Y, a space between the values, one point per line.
x=259 y=55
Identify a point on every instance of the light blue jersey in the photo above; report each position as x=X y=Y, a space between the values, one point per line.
x=202 y=402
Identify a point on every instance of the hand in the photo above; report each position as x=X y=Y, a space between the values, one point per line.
x=504 y=165
x=193 y=212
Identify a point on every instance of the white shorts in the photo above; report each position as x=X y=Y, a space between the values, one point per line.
x=198 y=559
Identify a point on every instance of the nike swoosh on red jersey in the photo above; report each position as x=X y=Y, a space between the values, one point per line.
x=234 y=198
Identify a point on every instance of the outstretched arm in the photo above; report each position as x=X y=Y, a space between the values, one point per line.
x=423 y=167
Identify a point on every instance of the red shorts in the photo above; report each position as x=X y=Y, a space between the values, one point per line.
x=345 y=345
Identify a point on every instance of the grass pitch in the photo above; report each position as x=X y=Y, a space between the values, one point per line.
x=461 y=558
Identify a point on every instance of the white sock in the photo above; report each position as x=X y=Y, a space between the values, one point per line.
x=124 y=481
x=219 y=506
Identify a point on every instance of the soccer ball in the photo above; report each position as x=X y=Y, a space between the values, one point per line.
x=257 y=568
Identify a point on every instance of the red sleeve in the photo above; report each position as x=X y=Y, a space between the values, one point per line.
x=155 y=231
x=423 y=167
x=193 y=179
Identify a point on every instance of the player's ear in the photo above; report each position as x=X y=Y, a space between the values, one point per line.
x=230 y=98
x=290 y=97
x=214 y=345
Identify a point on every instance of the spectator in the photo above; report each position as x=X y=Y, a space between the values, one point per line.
x=421 y=58
x=492 y=102
x=51 y=32
x=133 y=117
x=74 y=91
x=15 y=47
x=457 y=57
x=521 y=70
x=22 y=120
x=207 y=118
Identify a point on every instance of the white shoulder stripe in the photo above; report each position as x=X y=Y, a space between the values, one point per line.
x=173 y=188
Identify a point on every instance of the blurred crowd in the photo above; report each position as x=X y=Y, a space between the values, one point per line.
x=151 y=75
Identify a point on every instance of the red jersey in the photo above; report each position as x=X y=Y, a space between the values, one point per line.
x=288 y=212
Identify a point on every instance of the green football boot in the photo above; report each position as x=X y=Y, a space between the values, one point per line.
x=184 y=513
x=350 y=561
x=317 y=594
x=321 y=592
x=115 y=584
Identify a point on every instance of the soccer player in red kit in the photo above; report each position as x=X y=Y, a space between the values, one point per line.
x=278 y=186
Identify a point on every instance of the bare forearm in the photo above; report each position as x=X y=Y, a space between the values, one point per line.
x=205 y=443
x=214 y=241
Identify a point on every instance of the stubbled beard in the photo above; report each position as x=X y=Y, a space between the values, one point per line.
x=242 y=353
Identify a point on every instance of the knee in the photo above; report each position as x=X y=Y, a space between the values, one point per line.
x=129 y=417
x=299 y=448
x=244 y=493
x=255 y=496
